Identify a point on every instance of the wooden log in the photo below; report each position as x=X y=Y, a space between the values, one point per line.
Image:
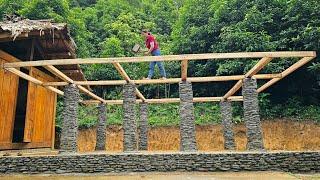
x=34 y=80
x=184 y=69
x=164 y=58
x=286 y=72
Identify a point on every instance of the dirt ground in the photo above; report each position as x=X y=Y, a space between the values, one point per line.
x=278 y=135
x=172 y=176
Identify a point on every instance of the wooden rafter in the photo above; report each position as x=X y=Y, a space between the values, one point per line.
x=68 y=80
x=125 y=76
x=164 y=58
x=262 y=63
x=286 y=72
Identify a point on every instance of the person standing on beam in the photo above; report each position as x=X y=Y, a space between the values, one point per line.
x=154 y=50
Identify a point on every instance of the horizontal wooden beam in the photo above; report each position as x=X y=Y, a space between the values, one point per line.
x=281 y=54
x=166 y=81
x=286 y=72
x=167 y=100
x=33 y=80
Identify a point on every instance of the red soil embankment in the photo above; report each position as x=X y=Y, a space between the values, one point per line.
x=278 y=135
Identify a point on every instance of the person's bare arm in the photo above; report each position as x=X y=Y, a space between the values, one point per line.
x=151 y=48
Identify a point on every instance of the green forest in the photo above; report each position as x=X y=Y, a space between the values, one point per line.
x=110 y=28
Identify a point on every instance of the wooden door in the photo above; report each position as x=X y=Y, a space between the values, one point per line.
x=8 y=96
x=40 y=117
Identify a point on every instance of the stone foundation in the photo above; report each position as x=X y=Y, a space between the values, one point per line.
x=129 y=118
x=226 y=113
x=187 y=124
x=101 y=128
x=296 y=162
x=69 y=130
x=143 y=127
x=251 y=114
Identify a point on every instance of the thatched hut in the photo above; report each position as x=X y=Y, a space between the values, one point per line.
x=28 y=110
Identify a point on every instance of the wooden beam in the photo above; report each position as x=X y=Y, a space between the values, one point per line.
x=59 y=74
x=165 y=81
x=263 y=62
x=34 y=80
x=165 y=58
x=286 y=72
x=167 y=100
x=83 y=89
x=233 y=90
x=125 y=76
x=184 y=69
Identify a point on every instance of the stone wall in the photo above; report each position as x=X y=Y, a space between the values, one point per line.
x=226 y=114
x=187 y=124
x=143 y=127
x=101 y=128
x=251 y=114
x=130 y=135
x=301 y=162
x=69 y=130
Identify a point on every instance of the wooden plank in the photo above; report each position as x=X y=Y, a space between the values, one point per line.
x=286 y=72
x=184 y=69
x=261 y=64
x=8 y=97
x=164 y=58
x=164 y=81
x=91 y=94
x=34 y=80
x=53 y=132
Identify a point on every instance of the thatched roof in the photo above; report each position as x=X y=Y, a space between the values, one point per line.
x=47 y=40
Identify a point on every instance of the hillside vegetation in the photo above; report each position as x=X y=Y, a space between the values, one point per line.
x=110 y=28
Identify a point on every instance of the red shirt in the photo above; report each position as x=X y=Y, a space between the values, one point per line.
x=150 y=39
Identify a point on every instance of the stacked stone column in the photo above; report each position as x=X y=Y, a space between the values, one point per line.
x=143 y=127
x=187 y=124
x=101 y=128
x=226 y=113
x=129 y=120
x=251 y=114
x=69 y=131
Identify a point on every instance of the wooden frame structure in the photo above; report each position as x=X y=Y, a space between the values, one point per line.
x=266 y=57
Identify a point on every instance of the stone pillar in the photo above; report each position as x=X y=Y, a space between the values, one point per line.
x=226 y=114
x=187 y=125
x=143 y=127
x=69 y=131
x=101 y=128
x=129 y=118
x=251 y=114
